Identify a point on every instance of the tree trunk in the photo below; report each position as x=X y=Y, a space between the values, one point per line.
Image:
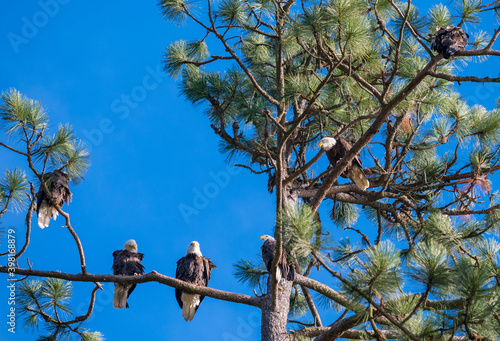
x=273 y=324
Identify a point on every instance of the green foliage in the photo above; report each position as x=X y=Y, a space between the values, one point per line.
x=427 y=166
x=403 y=305
x=257 y=50
x=429 y=266
x=64 y=150
x=27 y=120
x=30 y=292
x=175 y=10
x=175 y=57
x=377 y=273
x=439 y=229
x=45 y=303
x=488 y=251
x=298 y=304
x=57 y=292
x=480 y=40
x=471 y=281
x=345 y=252
x=250 y=273
x=13 y=187
x=469 y=10
x=197 y=50
x=480 y=158
x=327 y=303
x=482 y=126
x=301 y=232
x=344 y=214
x=417 y=21
x=341 y=67
x=233 y=11
x=338 y=59
x=91 y=336
x=439 y=15
x=20 y=115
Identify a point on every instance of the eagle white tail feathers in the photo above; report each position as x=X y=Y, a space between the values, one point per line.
x=359 y=177
x=45 y=213
x=190 y=303
x=120 y=298
x=278 y=274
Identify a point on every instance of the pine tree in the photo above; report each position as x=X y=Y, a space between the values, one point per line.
x=276 y=77
x=422 y=258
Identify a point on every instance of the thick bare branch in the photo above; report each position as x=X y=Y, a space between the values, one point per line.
x=149 y=277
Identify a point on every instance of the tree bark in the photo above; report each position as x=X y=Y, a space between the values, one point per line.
x=273 y=324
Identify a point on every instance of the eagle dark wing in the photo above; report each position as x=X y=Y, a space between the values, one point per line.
x=127 y=263
x=58 y=185
x=287 y=271
x=40 y=197
x=193 y=269
x=268 y=249
x=268 y=253
x=346 y=146
x=182 y=273
x=335 y=154
x=449 y=40
x=208 y=266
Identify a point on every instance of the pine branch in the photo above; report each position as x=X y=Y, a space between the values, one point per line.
x=459 y=79
x=384 y=113
x=149 y=277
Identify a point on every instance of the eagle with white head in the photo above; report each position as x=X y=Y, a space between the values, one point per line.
x=126 y=262
x=336 y=149
x=195 y=269
x=284 y=270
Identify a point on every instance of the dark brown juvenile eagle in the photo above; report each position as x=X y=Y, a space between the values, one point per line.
x=192 y=268
x=335 y=151
x=448 y=40
x=284 y=270
x=57 y=183
x=126 y=262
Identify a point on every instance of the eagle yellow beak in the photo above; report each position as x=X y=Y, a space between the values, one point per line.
x=320 y=144
x=262 y=237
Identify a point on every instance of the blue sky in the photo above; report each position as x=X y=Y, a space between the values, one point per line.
x=99 y=68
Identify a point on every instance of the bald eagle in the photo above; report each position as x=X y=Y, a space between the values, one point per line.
x=57 y=183
x=284 y=270
x=192 y=268
x=126 y=262
x=448 y=40
x=335 y=151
